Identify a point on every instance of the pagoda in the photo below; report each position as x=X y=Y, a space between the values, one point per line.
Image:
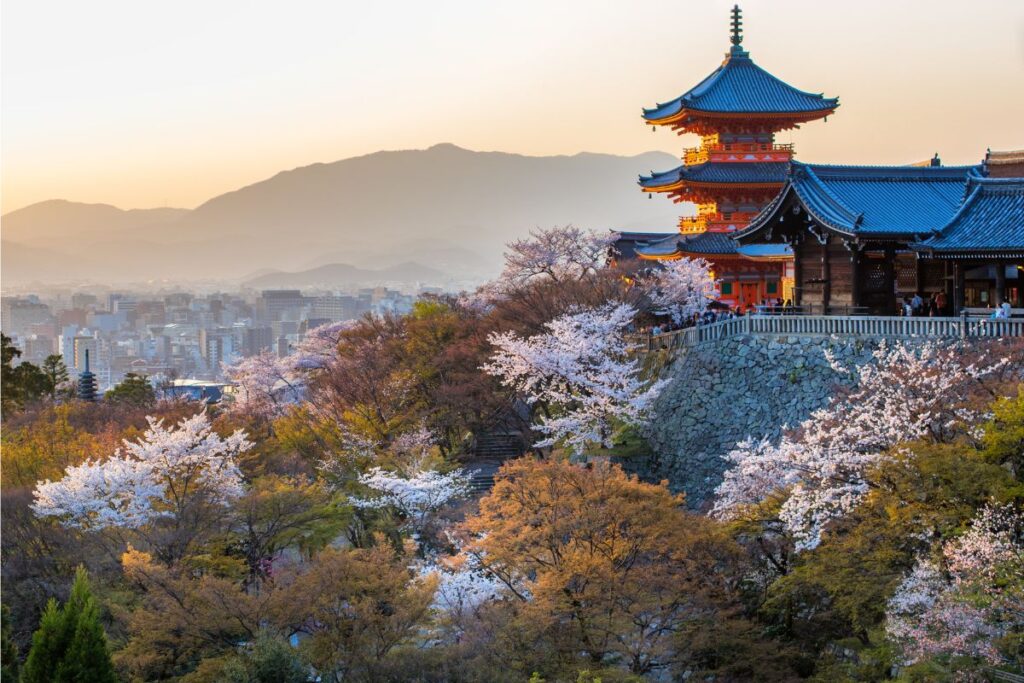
x=735 y=171
x=87 y=382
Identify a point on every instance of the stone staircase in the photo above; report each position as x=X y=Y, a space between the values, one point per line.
x=501 y=445
x=491 y=451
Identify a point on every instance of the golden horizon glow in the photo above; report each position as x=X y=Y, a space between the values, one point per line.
x=142 y=105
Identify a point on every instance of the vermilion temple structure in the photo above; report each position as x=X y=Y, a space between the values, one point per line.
x=735 y=171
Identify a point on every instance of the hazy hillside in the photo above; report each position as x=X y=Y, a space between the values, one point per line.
x=446 y=207
x=343 y=274
x=62 y=223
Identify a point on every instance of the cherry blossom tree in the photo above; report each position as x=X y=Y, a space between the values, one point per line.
x=416 y=495
x=680 y=288
x=463 y=586
x=318 y=348
x=907 y=392
x=580 y=367
x=267 y=385
x=560 y=253
x=165 y=477
x=263 y=386
x=965 y=607
x=413 y=487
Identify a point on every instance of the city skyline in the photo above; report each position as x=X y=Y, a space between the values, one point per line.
x=129 y=106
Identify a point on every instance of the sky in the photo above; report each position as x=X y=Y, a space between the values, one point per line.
x=144 y=104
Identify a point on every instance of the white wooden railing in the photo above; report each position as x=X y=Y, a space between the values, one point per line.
x=843 y=326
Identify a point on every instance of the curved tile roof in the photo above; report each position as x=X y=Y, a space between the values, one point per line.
x=706 y=244
x=740 y=86
x=865 y=200
x=765 y=250
x=666 y=247
x=721 y=172
x=990 y=219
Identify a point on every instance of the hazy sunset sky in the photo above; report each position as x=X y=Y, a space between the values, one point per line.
x=143 y=104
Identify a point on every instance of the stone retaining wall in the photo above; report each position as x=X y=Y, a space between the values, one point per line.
x=724 y=391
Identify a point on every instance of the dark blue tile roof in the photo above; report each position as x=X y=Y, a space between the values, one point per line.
x=758 y=172
x=741 y=86
x=765 y=250
x=627 y=243
x=990 y=219
x=709 y=243
x=866 y=200
x=662 y=248
x=701 y=244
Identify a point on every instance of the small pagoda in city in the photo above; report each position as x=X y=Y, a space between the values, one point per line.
x=735 y=171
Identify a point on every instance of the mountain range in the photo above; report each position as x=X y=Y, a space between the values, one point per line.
x=441 y=213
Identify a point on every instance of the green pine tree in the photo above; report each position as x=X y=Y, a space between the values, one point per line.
x=47 y=646
x=88 y=658
x=8 y=650
x=56 y=374
x=70 y=645
x=133 y=390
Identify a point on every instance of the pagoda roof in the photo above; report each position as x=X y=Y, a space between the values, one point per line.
x=664 y=248
x=719 y=173
x=626 y=242
x=869 y=201
x=739 y=86
x=990 y=220
x=708 y=244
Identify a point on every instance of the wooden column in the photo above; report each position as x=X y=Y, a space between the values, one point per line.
x=1000 y=283
x=958 y=287
x=855 y=275
x=890 y=279
x=918 y=274
x=798 y=271
x=826 y=277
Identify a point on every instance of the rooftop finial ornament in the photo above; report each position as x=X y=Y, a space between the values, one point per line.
x=737 y=26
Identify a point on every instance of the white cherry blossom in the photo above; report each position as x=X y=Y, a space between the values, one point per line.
x=580 y=368
x=680 y=288
x=908 y=392
x=157 y=476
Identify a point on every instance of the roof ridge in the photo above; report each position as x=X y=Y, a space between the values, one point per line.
x=969 y=199
x=852 y=217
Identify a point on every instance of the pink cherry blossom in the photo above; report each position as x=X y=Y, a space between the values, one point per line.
x=582 y=370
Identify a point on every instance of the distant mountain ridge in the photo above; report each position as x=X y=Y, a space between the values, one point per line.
x=450 y=208
x=346 y=275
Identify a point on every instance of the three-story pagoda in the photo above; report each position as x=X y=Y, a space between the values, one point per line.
x=734 y=172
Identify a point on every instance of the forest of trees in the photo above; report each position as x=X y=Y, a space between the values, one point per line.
x=319 y=524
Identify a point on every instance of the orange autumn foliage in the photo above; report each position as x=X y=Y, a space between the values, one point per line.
x=604 y=564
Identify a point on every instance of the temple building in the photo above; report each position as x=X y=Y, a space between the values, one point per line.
x=866 y=237
x=735 y=171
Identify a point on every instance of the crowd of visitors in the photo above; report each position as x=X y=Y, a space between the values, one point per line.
x=918 y=307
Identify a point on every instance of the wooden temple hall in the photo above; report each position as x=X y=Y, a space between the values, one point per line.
x=865 y=237
x=827 y=238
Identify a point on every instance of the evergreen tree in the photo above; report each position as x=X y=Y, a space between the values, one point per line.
x=47 y=646
x=133 y=390
x=270 y=660
x=70 y=645
x=56 y=373
x=8 y=650
x=22 y=384
x=88 y=659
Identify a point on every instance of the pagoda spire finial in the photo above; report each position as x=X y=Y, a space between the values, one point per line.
x=737 y=26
